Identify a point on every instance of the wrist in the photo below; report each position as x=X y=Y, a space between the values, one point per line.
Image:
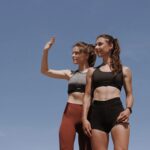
x=84 y=119
x=130 y=109
x=45 y=50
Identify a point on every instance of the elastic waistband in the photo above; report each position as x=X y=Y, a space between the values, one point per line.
x=109 y=101
x=73 y=104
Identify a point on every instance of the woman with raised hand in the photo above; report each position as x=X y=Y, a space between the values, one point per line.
x=83 y=55
x=103 y=86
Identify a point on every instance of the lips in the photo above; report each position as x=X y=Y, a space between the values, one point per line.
x=74 y=59
x=98 y=51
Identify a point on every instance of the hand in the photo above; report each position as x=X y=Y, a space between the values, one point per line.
x=87 y=128
x=124 y=116
x=50 y=43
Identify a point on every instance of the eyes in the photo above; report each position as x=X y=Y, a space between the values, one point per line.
x=75 y=53
x=98 y=44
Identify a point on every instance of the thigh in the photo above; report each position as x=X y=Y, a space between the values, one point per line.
x=99 y=140
x=66 y=134
x=83 y=140
x=120 y=136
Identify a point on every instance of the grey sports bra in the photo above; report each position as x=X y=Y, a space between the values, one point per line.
x=77 y=82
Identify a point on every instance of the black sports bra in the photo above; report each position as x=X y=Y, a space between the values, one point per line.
x=100 y=78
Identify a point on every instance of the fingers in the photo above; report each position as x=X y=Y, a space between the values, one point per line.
x=87 y=128
x=119 y=117
x=49 y=43
x=126 y=121
x=52 y=40
x=88 y=131
x=122 y=117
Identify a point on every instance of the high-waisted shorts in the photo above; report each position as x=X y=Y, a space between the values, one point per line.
x=104 y=114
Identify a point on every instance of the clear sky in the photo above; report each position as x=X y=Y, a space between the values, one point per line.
x=31 y=105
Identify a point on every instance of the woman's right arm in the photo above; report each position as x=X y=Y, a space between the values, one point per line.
x=60 y=74
x=87 y=103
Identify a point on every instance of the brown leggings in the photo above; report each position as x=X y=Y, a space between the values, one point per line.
x=71 y=123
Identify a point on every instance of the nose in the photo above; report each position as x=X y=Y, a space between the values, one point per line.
x=96 y=47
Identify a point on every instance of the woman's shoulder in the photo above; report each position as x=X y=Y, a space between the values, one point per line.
x=68 y=73
x=126 y=70
x=90 y=71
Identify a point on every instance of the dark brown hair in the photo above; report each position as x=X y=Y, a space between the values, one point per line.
x=115 y=52
x=89 y=49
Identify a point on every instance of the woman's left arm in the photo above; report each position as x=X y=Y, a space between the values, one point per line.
x=127 y=78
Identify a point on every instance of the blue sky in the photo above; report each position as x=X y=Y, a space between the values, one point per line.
x=31 y=105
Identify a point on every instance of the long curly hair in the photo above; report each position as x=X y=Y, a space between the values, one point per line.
x=89 y=49
x=116 y=64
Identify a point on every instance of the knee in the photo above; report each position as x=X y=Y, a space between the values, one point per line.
x=120 y=148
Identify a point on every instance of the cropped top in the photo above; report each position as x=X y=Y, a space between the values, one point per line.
x=100 y=78
x=77 y=82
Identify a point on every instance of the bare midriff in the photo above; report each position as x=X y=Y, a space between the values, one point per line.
x=105 y=93
x=76 y=98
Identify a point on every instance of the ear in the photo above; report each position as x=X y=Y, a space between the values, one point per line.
x=111 y=46
x=95 y=51
x=87 y=55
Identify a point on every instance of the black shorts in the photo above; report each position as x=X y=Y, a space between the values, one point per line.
x=104 y=114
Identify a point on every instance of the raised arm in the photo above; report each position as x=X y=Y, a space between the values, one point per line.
x=127 y=76
x=87 y=103
x=60 y=74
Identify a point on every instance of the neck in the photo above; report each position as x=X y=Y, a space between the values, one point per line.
x=83 y=67
x=107 y=60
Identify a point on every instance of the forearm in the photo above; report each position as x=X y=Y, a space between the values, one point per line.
x=129 y=100
x=86 y=106
x=44 y=63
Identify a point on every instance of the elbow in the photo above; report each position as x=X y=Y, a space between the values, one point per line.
x=43 y=71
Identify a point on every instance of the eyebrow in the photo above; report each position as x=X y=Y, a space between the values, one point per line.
x=98 y=43
x=76 y=52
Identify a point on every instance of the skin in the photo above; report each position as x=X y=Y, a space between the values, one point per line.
x=120 y=132
x=79 y=58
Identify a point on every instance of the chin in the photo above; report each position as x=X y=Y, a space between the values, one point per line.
x=99 y=55
x=75 y=62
